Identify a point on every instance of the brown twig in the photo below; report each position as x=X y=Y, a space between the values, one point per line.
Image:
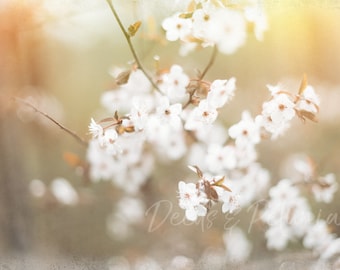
x=132 y=49
x=67 y=130
x=200 y=78
x=210 y=63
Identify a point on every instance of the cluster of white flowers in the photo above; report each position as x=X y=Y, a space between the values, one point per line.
x=210 y=23
x=171 y=116
x=151 y=120
x=284 y=106
x=197 y=198
x=289 y=216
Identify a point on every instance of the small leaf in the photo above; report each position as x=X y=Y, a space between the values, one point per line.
x=305 y=114
x=219 y=183
x=303 y=84
x=133 y=28
x=72 y=159
x=196 y=170
x=186 y=15
x=123 y=77
x=116 y=117
x=129 y=129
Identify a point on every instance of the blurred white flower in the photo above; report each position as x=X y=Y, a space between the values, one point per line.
x=119 y=99
x=318 y=236
x=37 y=188
x=220 y=158
x=332 y=250
x=325 y=188
x=257 y=16
x=238 y=247
x=226 y=29
x=147 y=263
x=181 y=263
x=278 y=237
x=64 y=192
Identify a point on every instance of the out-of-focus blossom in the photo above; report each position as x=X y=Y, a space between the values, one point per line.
x=147 y=263
x=324 y=189
x=37 y=188
x=238 y=247
x=181 y=263
x=64 y=192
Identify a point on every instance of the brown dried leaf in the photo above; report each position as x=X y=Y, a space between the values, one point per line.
x=72 y=159
x=186 y=15
x=123 y=77
x=303 y=84
x=305 y=114
x=133 y=28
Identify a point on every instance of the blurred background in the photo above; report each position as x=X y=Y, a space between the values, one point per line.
x=61 y=54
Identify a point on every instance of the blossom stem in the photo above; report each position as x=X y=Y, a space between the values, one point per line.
x=67 y=130
x=132 y=49
x=200 y=78
x=210 y=63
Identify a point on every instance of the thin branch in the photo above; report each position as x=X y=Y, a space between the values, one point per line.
x=205 y=71
x=132 y=49
x=210 y=63
x=67 y=130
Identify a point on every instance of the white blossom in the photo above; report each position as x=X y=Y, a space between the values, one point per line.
x=191 y=201
x=276 y=114
x=176 y=27
x=245 y=132
x=95 y=129
x=174 y=83
x=221 y=92
x=308 y=101
x=201 y=116
x=169 y=114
